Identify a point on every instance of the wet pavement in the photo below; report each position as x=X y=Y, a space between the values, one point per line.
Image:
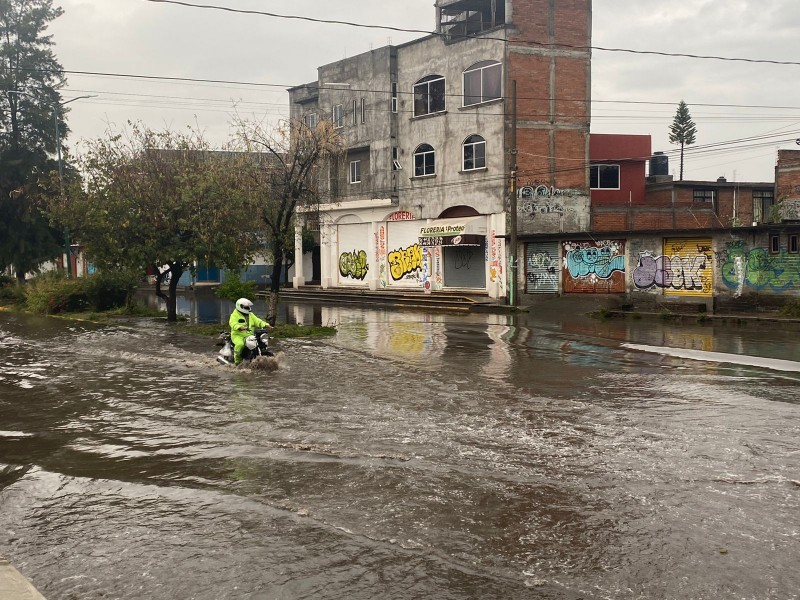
x=411 y=456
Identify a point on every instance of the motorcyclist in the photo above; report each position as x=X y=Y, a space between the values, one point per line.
x=242 y=322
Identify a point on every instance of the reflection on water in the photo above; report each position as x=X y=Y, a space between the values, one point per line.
x=410 y=456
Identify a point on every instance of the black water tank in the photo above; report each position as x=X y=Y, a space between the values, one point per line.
x=659 y=164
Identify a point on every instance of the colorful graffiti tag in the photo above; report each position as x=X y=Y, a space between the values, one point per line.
x=405 y=262
x=354 y=264
x=676 y=272
x=379 y=258
x=759 y=270
x=684 y=268
x=594 y=266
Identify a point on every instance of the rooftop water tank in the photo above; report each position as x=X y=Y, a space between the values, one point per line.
x=659 y=164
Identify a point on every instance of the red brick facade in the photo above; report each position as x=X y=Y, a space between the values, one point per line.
x=787 y=175
x=549 y=58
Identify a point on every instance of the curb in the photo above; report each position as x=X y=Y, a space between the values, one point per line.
x=13 y=586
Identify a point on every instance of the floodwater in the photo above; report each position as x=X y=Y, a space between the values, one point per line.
x=411 y=456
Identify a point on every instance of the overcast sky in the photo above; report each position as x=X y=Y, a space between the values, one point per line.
x=631 y=93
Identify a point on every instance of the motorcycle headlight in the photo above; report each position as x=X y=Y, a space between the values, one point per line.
x=264 y=338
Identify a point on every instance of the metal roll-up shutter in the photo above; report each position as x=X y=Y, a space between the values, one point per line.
x=354 y=254
x=687 y=267
x=542 y=267
x=404 y=254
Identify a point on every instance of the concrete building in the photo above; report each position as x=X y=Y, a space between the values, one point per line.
x=419 y=199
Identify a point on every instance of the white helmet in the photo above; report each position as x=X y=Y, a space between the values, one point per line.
x=251 y=342
x=244 y=306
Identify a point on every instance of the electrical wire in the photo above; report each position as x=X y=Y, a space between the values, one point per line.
x=481 y=37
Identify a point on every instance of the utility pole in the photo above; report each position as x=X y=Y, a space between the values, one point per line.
x=512 y=201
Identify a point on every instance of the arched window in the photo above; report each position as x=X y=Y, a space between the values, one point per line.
x=429 y=95
x=424 y=160
x=483 y=82
x=474 y=153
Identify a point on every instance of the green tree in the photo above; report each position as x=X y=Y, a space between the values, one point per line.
x=283 y=182
x=683 y=131
x=162 y=200
x=30 y=79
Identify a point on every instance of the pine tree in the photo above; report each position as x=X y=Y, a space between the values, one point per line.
x=683 y=130
x=30 y=77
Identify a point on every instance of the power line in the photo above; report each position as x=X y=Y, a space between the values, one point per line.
x=285 y=86
x=481 y=37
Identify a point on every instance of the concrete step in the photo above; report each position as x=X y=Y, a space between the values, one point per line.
x=447 y=301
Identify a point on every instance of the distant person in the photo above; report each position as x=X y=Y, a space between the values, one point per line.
x=243 y=323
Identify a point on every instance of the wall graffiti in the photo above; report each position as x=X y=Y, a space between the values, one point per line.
x=789 y=210
x=379 y=258
x=758 y=270
x=597 y=266
x=539 y=199
x=496 y=262
x=676 y=272
x=354 y=264
x=405 y=262
x=542 y=272
x=531 y=208
x=543 y=191
x=592 y=260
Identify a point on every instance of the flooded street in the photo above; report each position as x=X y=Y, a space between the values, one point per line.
x=411 y=456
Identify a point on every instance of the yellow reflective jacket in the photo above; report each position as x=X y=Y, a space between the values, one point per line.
x=250 y=322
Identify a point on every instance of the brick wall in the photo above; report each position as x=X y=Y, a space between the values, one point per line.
x=553 y=92
x=787 y=174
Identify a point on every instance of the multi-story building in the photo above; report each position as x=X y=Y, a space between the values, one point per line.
x=419 y=198
x=440 y=130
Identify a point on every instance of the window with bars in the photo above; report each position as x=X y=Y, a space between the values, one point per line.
x=774 y=243
x=704 y=196
x=763 y=201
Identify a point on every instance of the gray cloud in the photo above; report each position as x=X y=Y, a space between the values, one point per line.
x=135 y=36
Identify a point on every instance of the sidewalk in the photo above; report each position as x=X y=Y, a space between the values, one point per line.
x=13 y=586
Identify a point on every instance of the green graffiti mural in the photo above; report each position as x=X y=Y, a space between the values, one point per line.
x=354 y=264
x=405 y=261
x=759 y=270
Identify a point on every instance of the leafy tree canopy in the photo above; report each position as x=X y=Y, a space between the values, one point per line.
x=160 y=198
x=683 y=130
x=30 y=79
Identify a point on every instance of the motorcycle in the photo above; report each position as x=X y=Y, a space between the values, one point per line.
x=256 y=345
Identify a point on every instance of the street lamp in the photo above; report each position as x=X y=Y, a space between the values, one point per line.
x=56 y=106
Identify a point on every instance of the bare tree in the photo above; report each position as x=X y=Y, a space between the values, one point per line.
x=282 y=179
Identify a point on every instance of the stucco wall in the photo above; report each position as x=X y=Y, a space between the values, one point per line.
x=483 y=190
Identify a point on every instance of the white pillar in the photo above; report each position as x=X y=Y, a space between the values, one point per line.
x=299 y=278
x=328 y=244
